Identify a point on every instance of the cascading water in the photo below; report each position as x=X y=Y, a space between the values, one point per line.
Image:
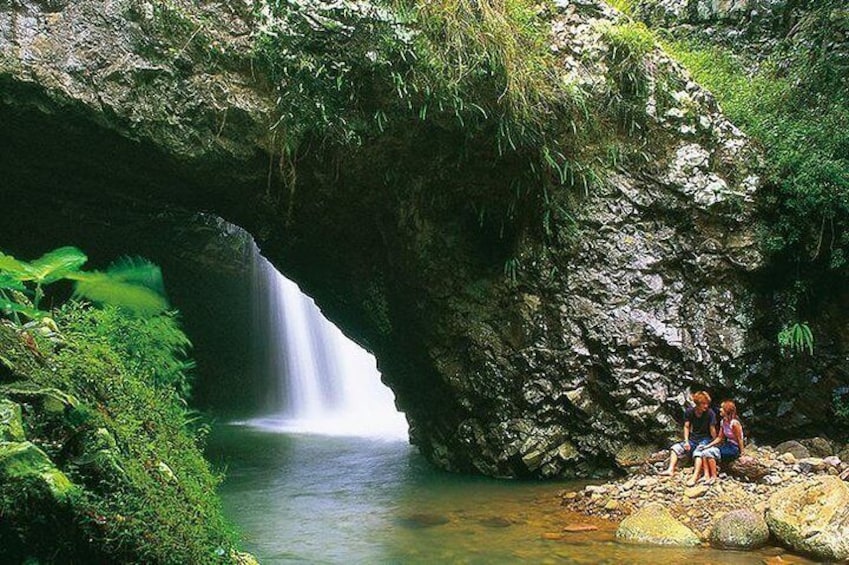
x=325 y=383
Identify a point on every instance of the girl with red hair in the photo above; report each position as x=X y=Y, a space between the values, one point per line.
x=727 y=445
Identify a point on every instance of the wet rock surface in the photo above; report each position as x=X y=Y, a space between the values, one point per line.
x=739 y=529
x=654 y=524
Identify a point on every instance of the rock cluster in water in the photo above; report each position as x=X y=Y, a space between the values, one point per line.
x=801 y=503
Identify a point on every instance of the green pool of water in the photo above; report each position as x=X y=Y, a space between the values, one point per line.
x=318 y=499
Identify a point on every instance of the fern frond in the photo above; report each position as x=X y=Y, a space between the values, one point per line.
x=14 y=268
x=138 y=271
x=104 y=288
x=57 y=264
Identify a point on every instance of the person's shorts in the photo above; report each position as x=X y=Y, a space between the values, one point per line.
x=725 y=452
x=679 y=450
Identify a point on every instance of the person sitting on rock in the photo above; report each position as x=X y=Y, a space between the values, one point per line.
x=699 y=429
x=726 y=446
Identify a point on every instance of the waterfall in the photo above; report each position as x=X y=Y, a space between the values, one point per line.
x=321 y=381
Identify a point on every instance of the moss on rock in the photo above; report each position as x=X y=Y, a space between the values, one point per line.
x=653 y=524
x=87 y=483
x=11 y=427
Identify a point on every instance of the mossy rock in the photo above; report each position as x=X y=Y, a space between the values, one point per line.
x=25 y=460
x=51 y=400
x=739 y=529
x=11 y=425
x=100 y=455
x=654 y=524
x=812 y=517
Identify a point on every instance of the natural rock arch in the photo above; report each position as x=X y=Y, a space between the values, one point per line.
x=590 y=347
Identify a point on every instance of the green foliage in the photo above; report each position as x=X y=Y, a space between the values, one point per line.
x=350 y=72
x=134 y=284
x=630 y=40
x=797 y=105
x=624 y=6
x=796 y=338
x=152 y=348
x=147 y=494
x=500 y=47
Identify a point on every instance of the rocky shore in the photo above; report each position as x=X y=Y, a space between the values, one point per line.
x=794 y=494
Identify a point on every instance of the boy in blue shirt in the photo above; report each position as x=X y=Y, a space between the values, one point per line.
x=699 y=429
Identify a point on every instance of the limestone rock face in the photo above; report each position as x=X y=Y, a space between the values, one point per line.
x=653 y=524
x=509 y=358
x=812 y=518
x=739 y=529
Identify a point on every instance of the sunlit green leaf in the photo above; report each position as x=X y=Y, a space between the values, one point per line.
x=139 y=271
x=8 y=282
x=103 y=288
x=57 y=264
x=7 y=306
x=17 y=269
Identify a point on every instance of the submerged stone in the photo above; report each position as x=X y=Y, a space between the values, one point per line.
x=496 y=522
x=424 y=520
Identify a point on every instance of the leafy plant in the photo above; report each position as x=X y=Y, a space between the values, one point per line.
x=796 y=103
x=146 y=493
x=153 y=348
x=133 y=284
x=796 y=339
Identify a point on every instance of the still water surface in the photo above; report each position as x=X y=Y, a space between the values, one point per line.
x=301 y=498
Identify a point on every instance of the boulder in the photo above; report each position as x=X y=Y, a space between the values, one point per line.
x=11 y=425
x=653 y=524
x=795 y=448
x=818 y=446
x=739 y=529
x=812 y=517
x=812 y=465
x=747 y=468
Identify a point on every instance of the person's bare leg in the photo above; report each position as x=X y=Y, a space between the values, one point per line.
x=697 y=468
x=711 y=471
x=673 y=460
